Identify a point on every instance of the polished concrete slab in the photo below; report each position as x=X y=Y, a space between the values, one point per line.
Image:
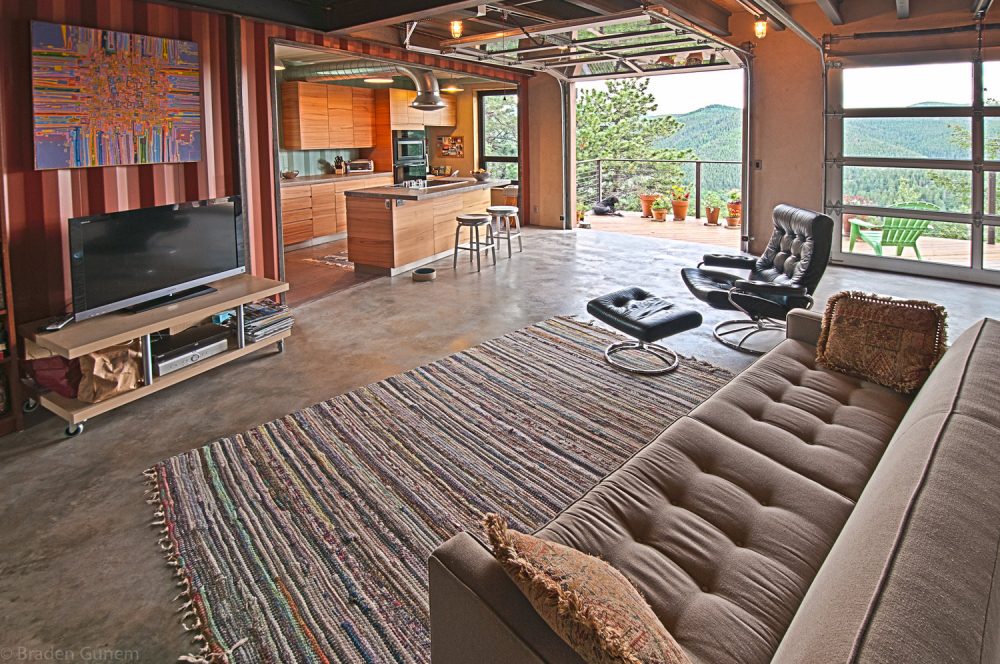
x=79 y=567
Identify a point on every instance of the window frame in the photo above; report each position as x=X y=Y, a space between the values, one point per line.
x=481 y=157
x=835 y=163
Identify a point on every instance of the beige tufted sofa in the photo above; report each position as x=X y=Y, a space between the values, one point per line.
x=799 y=515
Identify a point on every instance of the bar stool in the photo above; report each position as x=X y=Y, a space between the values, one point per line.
x=475 y=246
x=505 y=216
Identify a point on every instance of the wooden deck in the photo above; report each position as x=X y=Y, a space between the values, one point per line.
x=691 y=230
x=936 y=250
x=933 y=249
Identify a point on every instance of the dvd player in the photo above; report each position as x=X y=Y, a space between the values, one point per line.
x=176 y=351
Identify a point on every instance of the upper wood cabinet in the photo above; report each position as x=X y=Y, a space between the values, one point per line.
x=364 y=117
x=404 y=116
x=318 y=116
x=304 y=116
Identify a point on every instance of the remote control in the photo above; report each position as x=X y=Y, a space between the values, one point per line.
x=58 y=324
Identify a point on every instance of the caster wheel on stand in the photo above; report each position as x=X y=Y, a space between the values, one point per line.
x=74 y=430
x=29 y=405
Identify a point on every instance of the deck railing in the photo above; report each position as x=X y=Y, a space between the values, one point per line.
x=708 y=180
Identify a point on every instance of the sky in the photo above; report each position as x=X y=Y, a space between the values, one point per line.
x=872 y=87
x=884 y=87
x=683 y=93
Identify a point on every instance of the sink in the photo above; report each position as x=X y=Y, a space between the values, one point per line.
x=443 y=183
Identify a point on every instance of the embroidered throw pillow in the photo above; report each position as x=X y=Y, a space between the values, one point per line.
x=887 y=341
x=586 y=601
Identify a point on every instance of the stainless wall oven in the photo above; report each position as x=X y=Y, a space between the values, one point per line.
x=409 y=148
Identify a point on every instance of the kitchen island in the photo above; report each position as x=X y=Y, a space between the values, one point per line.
x=395 y=229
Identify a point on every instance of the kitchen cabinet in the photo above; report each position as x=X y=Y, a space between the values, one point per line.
x=319 y=115
x=403 y=116
x=364 y=117
x=320 y=209
x=305 y=121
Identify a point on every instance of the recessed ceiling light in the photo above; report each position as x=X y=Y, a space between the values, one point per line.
x=379 y=79
x=278 y=66
x=452 y=88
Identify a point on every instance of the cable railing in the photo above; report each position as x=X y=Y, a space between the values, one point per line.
x=709 y=181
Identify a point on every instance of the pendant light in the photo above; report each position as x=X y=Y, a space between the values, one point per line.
x=760 y=27
x=456 y=29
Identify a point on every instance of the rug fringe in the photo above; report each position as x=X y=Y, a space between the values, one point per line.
x=190 y=618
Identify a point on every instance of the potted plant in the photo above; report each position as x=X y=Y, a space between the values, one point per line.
x=647 y=200
x=713 y=208
x=680 y=202
x=660 y=207
x=735 y=209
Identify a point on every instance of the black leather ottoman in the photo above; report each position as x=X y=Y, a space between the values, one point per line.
x=647 y=319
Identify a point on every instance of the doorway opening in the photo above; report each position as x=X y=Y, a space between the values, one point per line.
x=663 y=156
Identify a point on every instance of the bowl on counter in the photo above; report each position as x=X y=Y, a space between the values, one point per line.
x=481 y=177
x=289 y=175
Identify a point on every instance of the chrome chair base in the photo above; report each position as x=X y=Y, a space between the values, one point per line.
x=749 y=328
x=669 y=357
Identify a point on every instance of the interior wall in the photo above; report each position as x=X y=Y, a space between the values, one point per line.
x=786 y=92
x=545 y=152
x=467 y=126
x=37 y=204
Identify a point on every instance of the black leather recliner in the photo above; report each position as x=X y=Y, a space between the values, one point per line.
x=783 y=278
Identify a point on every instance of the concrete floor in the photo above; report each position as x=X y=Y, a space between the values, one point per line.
x=78 y=563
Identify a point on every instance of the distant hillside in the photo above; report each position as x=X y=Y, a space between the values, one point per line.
x=714 y=132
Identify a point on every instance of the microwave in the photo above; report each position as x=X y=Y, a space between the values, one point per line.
x=408 y=146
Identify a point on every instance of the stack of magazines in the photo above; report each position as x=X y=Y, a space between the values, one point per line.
x=264 y=319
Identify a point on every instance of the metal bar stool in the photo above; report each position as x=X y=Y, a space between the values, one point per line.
x=475 y=246
x=505 y=217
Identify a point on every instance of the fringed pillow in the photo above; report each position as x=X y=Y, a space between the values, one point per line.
x=586 y=601
x=891 y=342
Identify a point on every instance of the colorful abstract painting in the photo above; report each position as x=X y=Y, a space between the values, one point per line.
x=106 y=98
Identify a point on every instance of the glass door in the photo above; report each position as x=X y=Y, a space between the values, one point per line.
x=912 y=161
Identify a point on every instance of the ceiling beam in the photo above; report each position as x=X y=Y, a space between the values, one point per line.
x=832 y=10
x=902 y=8
x=312 y=17
x=706 y=15
x=352 y=15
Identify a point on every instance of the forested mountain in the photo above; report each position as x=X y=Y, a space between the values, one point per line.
x=714 y=133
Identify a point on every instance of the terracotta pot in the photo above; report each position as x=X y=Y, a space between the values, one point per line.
x=735 y=214
x=660 y=214
x=647 y=200
x=712 y=216
x=680 y=210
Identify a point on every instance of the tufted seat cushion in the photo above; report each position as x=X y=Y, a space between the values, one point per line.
x=723 y=521
x=642 y=315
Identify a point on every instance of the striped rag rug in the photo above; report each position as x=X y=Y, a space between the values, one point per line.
x=306 y=538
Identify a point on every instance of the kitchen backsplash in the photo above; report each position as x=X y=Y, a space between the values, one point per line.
x=306 y=162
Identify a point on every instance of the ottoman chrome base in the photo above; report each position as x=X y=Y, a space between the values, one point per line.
x=669 y=357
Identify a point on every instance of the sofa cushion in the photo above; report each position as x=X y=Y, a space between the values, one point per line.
x=723 y=521
x=913 y=577
x=888 y=341
x=825 y=425
x=583 y=599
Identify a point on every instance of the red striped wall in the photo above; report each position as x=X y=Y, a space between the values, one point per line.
x=37 y=204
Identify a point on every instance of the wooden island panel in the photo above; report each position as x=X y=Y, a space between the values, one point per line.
x=369 y=232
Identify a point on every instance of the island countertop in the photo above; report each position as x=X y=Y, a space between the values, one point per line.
x=401 y=193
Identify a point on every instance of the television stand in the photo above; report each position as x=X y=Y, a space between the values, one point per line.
x=179 y=296
x=99 y=332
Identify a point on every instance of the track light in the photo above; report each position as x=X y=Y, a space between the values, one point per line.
x=760 y=27
x=456 y=29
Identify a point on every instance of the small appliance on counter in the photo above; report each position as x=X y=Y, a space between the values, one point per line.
x=361 y=166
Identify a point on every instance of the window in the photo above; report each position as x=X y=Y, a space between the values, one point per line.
x=497 y=144
x=914 y=190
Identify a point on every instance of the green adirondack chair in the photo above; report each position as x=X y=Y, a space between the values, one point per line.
x=892 y=232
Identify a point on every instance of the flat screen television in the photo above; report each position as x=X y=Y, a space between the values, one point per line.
x=145 y=257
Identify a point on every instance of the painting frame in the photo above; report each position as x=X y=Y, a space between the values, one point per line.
x=103 y=97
